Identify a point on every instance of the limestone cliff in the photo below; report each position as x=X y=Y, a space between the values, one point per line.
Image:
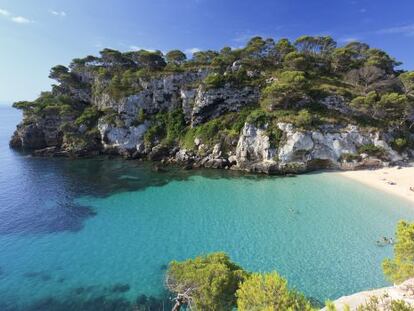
x=247 y=109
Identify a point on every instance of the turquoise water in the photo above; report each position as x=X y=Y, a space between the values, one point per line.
x=98 y=234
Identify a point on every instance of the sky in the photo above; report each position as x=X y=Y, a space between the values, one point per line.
x=38 y=34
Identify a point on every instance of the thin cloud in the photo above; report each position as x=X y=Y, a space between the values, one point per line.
x=407 y=30
x=4 y=12
x=138 y=48
x=192 y=50
x=15 y=19
x=20 y=20
x=58 y=13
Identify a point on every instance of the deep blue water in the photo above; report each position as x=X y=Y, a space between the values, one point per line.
x=97 y=234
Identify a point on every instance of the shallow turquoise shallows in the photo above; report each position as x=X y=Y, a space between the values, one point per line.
x=101 y=232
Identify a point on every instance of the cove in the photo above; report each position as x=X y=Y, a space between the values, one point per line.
x=100 y=232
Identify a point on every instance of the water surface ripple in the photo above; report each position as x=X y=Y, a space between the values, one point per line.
x=97 y=234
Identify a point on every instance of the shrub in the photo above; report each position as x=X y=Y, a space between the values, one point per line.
x=275 y=135
x=89 y=117
x=290 y=88
x=304 y=119
x=213 y=280
x=349 y=157
x=214 y=81
x=269 y=292
x=376 y=303
x=372 y=150
x=258 y=118
x=401 y=267
x=399 y=144
x=167 y=126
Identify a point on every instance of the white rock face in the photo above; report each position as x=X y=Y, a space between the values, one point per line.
x=209 y=104
x=162 y=94
x=394 y=156
x=301 y=148
x=124 y=139
x=296 y=146
x=188 y=98
x=404 y=292
x=253 y=147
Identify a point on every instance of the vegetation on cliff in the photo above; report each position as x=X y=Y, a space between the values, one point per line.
x=294 y=80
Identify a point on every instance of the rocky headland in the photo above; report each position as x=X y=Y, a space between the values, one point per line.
x=271 y=107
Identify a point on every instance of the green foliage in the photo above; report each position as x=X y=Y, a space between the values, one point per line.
x=400 y=144
x=349 y=157
x=204 y=57
x=374 y=304
x=213 y=131
x=304 y=119
x=141 y=116
x=365 y=103
x=175 y=57
x=382 y=303
x=372 y=150
x=124 y=84
x=89 y=117
x=269 y=292
x=289 y=88
x=75 y=142
x=407 y=78
x=238 y=78
x=148 y=60
x=303 y=73
x=401 y=267
x=296 y=61
x=213 y=280
x=214 y=81
x=381 y=59
x=48 y=103
x=59 y=73
x=166 y=127
x=258 y=118
x=24 y=105
x=207 y=132
x=315 y=45
x=225 y=58
x=283 y=48
x=392 y=107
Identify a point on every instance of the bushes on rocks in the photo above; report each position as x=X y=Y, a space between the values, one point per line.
x=401 y=267
x=269 y=292
x=372 y=150
x=166 y=127
x=216 y=283
x=211 y=281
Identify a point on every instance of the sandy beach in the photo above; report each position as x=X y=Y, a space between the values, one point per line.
x=392 y=180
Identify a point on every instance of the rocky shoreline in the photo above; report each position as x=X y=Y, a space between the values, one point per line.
x=299 y=151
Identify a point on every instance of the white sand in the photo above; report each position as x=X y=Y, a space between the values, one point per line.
x=392 y=180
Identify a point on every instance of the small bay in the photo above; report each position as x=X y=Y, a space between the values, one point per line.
x=102 y=229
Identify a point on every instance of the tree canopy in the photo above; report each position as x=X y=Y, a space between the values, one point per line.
x=401 y=266
x=212 y=279
x=269 y=292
